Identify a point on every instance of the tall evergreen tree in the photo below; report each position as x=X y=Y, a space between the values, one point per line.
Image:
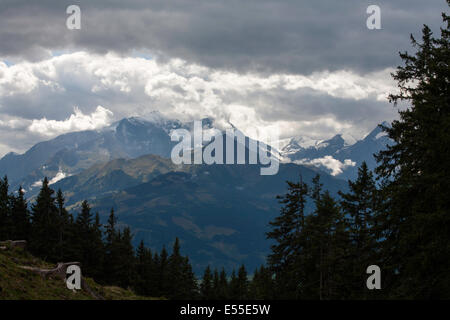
x=189 y=287
x=416 y=217
x=242 y=283
x=175 y=271
x=324 y=233
x=98 y=249
x=45 y=224
x=223 y=292
x=287 y=234
x=66 y=232
x=20 y=216
x=215 y=285
x=88 y=243
x=83 y=240
x=112 y=251
x=262 y=287
x=206 y=287
x=126 y=268
x=5 y=210
x=360 y=204
x=181 y=282
x=163 y=273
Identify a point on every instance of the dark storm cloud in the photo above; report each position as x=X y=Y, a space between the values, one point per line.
x=275 y=36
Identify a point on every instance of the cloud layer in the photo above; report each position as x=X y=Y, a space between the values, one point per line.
x=81 y=91
x=308 y=67
x=275 y=36
x=78 y=121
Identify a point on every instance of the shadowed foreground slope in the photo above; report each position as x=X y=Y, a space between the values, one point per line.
x=19 y=283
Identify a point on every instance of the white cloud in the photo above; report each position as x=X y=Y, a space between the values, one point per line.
x=346 y=84
x=76 y=122
x=40 y=96
x=335 y=166
x=17 y=79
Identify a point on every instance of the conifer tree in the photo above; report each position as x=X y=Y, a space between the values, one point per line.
x=98 y=249
x=223 y=286
x=45 y=225
x=242 y=283
x=206 y=287
x=66 y=242
x=20 y=216
x=84 y=238
x=181 y=282
x=286 y=231
x=5 y=210
x=144 y=264
x=189 y=287
x=163 y=273
x=325 y=234
x=175 y=270
x=125 y=271
x=360 y=204
x=112 y=251
x=416 y=218
x=215 y=284
x=261 y=287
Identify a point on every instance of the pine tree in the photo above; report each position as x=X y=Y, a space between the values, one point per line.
x=223 y=292
x=20 y=216
x=287 y=234
x=261 y=287
x=98 y=249
x=84 y=243
x=163 y=273
x=112 y=251
x=45 y=225
x=156 y=278
x=5 y=210
x=144 y=262
x=215 y=285
x=125 y=274
x=181 y=282
x=190 y=287
x=175 y=271
x=360 y=204
x=66 y=232
x=206 y=287
x=242 y=283
x=415 y=216
x=324 y=231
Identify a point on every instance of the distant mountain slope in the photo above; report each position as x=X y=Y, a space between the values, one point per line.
x=113 y=176
x=73 y=152
x=129 y=138
x=219 y=212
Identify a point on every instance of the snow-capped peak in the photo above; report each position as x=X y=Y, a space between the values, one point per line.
x=298 y=143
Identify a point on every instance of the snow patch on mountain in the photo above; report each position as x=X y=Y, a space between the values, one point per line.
x=295 y=144
x=380 y=135
x=37 y=184
x=59 y=176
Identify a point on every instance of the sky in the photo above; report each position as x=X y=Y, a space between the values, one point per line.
x=311 y=68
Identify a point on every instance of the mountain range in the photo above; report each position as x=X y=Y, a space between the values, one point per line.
x=219 y=212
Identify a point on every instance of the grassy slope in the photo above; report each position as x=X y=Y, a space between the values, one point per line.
x=20 y=284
